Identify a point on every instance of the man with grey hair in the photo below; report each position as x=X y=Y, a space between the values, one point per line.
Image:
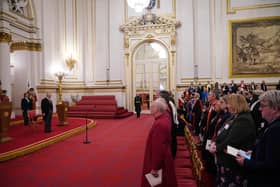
x=264 y=165
x=158 y=150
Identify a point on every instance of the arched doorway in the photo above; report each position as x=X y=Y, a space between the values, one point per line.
x=151 y=71
x=140 y=34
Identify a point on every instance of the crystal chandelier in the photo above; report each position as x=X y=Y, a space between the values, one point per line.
x=138 y=5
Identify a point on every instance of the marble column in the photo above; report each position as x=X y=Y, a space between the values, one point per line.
x=5 y=76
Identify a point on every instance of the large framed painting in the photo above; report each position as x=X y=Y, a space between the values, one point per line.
x=254 y=47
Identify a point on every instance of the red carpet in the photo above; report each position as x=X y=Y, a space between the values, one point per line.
x=113 y=158
x=25 y=135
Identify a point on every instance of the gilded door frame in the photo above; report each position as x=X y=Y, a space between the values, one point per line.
x=136 y=32
x=133 y=70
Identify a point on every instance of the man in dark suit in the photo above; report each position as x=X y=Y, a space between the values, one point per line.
x=137 y=105
x=47 y=110
x=25 y=106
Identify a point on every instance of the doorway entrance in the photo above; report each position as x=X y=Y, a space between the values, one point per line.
x=151 y=72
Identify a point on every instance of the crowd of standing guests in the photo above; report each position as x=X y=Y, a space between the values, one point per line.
x=240 y=116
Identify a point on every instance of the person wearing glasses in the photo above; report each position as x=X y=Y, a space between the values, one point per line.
x=239 y=132
x=264 y=165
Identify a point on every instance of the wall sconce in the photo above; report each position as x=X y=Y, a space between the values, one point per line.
x=60 y=75
x=70 y=62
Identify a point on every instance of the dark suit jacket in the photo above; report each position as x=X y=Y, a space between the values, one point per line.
x=197 y=111
x=137 y=103
x=25 y=104
x=264 y=165
x=240 y=133
x=46 y=107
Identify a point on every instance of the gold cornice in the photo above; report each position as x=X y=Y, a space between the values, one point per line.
x=189 y=80
x=15 y=22
x=30 y=15
x=82 y=89
x=5 y=37
x=27 y=46
x=171 y=14
x=233 y=10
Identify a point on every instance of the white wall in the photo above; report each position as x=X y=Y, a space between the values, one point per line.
x=101 y=40
x=222 y=38
x=91 y=30
x=185 y=40
x=116 y=48
x=202 y=39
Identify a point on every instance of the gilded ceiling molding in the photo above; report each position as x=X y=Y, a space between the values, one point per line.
x=5 y=37
x=22 y=8
x=265 y=4
x=171 y=14
x=149 y=22
x=27 y=46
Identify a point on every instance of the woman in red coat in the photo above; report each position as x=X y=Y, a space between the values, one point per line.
x=158 y=154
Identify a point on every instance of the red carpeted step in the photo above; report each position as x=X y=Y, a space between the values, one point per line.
x=183 y=154
x=123 y=115
x=180 y=137
x=187 y=183
x=101 y=97
x=121 y=110
x=182 y=148
x=183 y=163
x=184 y=173
x=97 y=102
x=98 y=107
x=92 y=114
x=181 y=142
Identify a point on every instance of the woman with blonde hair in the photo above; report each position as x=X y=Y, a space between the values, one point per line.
x=264 y=165
x=239 y=132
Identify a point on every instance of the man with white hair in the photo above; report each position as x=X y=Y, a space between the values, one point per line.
x=158 y=150
x=264 y=165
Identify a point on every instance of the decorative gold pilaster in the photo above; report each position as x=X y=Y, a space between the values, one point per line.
x=27 y=46
x=5 y=37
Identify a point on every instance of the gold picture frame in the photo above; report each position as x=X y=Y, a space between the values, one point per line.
x=254 y=46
